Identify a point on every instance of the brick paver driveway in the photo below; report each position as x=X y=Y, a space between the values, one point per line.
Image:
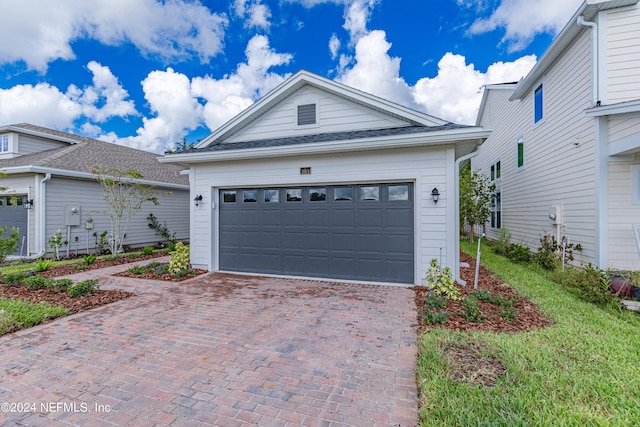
x=223 y=350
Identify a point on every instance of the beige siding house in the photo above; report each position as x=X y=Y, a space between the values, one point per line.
x=318 y=179
x=49 y=179
x=566 y=140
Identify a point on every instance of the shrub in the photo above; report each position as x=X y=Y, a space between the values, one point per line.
x=90 y=259
x=162 y=269
x=433 y=312
x=55 y=243
x=504 y=242
x=441 y=281
x=14 y=279
x=519 y=253
x=85 y=287
x=60 y=285
x=482 y=294
x=548 y=256
x=37 y=282
x=471 y=309
x=8 y=244
x=43 y=264
x=101 y=244
x=139 y=269
x=179 y=258
x=591 y=282
x=80 y=267
x=147 y=250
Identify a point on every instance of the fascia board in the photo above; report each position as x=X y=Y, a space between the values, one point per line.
x=614 y=109
x=84 y=175
x=16 y=129
x=332 y=147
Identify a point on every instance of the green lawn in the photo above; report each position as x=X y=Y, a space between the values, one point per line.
x=582 y=371
x=16 y=314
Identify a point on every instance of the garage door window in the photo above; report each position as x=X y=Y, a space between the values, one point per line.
x=250 y=196
x=398 y=192
x=317 y=194
x=370 y=193
x=294 y=195
x=229 y=196
x=271 y=196
x=343 y=194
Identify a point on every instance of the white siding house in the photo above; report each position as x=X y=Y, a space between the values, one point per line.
x=320 y=180
x=50 y=173
x=567 y=137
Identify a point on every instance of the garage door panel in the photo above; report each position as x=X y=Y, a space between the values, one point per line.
x=348 y=239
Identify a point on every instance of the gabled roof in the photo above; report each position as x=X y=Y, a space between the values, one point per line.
x=485 y=95
x=79 y=159
x=588 y=10
x=42 y=132
x=302 y=78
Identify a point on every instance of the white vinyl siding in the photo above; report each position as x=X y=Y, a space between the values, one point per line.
x=557 y=171
x=29 y=144
x=87 y=195
x=623 y=55
x=623 y=213
x=335 y=114
x=427 y=167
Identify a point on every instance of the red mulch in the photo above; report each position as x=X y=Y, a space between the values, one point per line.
x=63 y=270
x=529 y=316
x=167 y=276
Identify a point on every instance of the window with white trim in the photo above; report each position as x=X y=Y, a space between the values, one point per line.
x=520 y=152
x=538 y=104
x=496 y=209
x=495 y=171
x=4 y=143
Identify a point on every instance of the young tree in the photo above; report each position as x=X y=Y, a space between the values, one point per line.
x=475 y=198
x=8 y=244
x=124 y=195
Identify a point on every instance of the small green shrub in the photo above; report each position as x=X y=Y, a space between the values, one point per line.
x=85 y=287
x=519 y=253
x=504 y=242
x=508 y=313
x=170 y=248
x=592 y=283
x=182 y=273
x=43 y=264
x=14 y=279
x=8 y=244
x=434 y=312
x=179 y=258
x=441 y=281
x=80 y=267
x=162 y=269
x=37 y=282
x=147 y=250
x=101 y=244
x=90 y=259
x=139 y=269
x=471 y=309
x=482 y=294
x=60 y=285
x=548 y=256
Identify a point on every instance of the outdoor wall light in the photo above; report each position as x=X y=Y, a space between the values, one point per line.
x=435 y=194
x=28 y=203
x=197 y=200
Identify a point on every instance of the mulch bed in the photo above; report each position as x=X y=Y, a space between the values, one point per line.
x=63 y=299
x=167 y=276
x=63 y=270
x=529 y=316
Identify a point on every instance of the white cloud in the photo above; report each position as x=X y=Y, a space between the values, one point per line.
x=521 y=20
x=376 y=72
x=45 y=105
x=455 y=93
x=39 y=32
x=256 y=13
x=356 y=17
x=334 y=46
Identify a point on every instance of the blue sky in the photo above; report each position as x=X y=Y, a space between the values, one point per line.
x=146 y=73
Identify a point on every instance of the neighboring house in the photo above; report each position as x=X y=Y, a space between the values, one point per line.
x=564 y=150
x=318 y=179
x=49 y=173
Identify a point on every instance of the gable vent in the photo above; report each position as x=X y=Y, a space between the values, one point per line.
x=306 y=114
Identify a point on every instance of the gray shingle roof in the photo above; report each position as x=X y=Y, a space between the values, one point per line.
x=324 y=137
x=89 y=153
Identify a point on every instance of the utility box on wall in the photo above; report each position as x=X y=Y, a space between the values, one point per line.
x=72 y=215
x=555 y=215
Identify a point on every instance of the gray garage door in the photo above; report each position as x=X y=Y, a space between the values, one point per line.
x=13 y=214
x=359 y=232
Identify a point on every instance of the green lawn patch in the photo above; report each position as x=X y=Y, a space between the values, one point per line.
x=584 y=370
x=17 y=314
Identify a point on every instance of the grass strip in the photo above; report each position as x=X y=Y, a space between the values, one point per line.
x=582 y=371
x=17 y=314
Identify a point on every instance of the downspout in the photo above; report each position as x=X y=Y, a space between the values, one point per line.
x=456 y=201
x=41 y=221
x=595 y=58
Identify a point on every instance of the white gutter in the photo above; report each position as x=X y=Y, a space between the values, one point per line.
x=41 y=221
x=456 y=201
x=595 y=58
x=85 y=175
x=378 y=143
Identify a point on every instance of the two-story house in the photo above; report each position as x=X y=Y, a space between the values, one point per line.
x=564 y=150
